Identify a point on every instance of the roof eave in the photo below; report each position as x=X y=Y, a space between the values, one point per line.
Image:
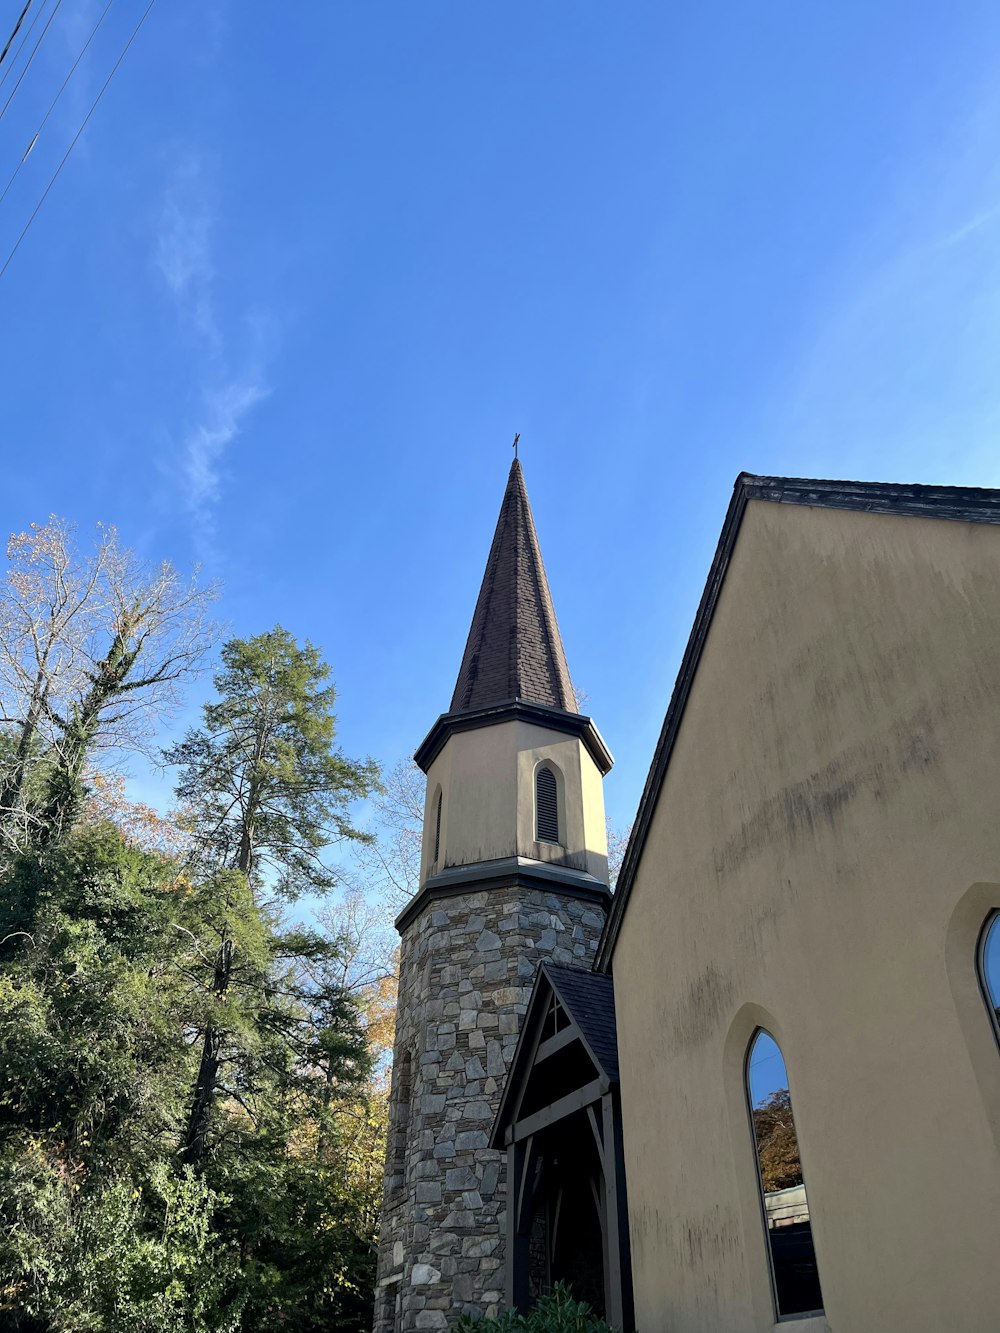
x=525 y=1039
x=963 y=504
x=556 y=719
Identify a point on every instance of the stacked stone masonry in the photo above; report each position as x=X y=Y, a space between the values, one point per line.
x=467 y=967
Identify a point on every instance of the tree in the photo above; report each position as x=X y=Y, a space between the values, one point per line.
x=369 y=971
x=92 y=649
x=777 y=1143
x=139 y=961
x=47 y=615
x=100 y=1228
x=271 y=789
x=270 y=793
x=618 y=840
x=390 y=863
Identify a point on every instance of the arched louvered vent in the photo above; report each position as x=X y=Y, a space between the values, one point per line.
x=546 y=806
x=437 y=828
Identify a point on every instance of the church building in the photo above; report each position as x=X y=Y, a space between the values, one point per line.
x=760 y=1084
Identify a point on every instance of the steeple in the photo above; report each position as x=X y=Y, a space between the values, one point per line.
x=514 y=652
x=513 y=871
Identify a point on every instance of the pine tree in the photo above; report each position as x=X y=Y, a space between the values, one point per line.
x=270 y=792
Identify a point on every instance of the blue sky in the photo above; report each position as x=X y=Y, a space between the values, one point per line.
x=766 y=1069
x=310 y=267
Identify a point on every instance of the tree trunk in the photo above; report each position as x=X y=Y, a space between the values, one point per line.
x=79 y=734
x=200 y=1118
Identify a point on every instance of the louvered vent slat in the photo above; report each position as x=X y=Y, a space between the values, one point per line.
x=546 y=806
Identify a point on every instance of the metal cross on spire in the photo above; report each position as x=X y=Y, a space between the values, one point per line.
x=517 y=437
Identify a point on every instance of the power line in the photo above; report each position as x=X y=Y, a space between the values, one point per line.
x=16 y=56
x=27 y=63
x=17 y=26
x=34 y=137
x=93 y=108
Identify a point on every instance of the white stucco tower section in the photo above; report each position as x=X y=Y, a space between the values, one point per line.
x=514 y=870
x=487 y=782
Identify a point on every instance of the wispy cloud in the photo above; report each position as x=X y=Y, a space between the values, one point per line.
x=985 y=218
x=896 y=361
x=184 y=251
x=206 y=445
x=228 y=390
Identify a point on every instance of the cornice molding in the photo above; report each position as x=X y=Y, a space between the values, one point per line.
x=505 y=872
x=512 y=710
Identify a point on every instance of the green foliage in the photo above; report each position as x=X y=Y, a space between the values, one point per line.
x=89 y=1018
x=79 y=1255
x=267 y=785
x=557 y=1312
x=119 y=967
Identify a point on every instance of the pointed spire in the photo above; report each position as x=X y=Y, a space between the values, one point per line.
x=514 y=650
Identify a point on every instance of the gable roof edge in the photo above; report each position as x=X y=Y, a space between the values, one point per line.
x=530 y=1021
x=964 y=504
x=546 y=979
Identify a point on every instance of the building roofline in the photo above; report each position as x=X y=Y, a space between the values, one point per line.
x=556 y=719
x=547 y=975
x=960 y=503
x=505 y=872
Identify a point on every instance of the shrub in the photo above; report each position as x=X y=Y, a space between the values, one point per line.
x=556 y=1313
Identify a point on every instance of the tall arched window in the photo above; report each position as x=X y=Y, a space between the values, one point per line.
x=989 y=968
x=437 y=825
x=401 y=1127
x=546 y=805
x=794 y=1274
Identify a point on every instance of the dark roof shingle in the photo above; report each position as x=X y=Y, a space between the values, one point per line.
x=590 y=999
x=514 y=650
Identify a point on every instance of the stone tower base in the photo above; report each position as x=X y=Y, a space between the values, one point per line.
x=467 y=966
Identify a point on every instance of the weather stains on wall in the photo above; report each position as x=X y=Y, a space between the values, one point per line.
x=873 y=769
x=830 y=794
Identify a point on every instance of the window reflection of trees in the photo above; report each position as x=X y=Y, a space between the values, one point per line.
x=989 y=968
x=794 y=1271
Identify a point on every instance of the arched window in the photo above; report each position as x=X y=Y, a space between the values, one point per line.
x=794 y=1274
x=546 y=805
x=401 y=1127
x=989 y=968
x=437 y=826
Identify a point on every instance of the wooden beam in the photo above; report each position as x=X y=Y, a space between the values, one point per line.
x=595 y=1190
x=618 y=1288
x=517 y=1245
x=558 y=1110
x=529 y=1063
x=597 y=1139
x=530 y=1180
x=553 y=1044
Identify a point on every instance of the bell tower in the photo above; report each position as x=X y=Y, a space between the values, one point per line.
x=514 y=870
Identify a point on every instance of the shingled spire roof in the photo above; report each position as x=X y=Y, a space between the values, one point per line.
x=514 y=649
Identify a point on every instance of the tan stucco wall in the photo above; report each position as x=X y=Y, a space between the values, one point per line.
x=487 y=778
x=822 y=856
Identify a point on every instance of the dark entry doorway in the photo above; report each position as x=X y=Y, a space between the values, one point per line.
x=560 y=1122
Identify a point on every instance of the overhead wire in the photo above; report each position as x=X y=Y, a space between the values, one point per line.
x=62 y=89
x=55 y=175
x=27 y=63
x=17 y=28
x=20 y=47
